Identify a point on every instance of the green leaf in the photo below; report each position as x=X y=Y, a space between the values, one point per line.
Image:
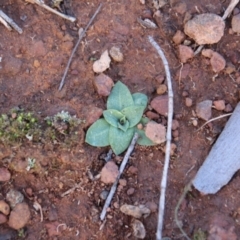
x=140 y=99
x=120 y=97
x=143 y=139
x=133 y=114
x=144 y=121
x=119 y=140
x=112 y=116
x=98 y=134
x=125 y=126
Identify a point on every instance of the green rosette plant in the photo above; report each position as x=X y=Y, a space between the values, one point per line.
x=124 y=112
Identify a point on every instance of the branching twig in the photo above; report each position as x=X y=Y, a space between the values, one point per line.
x=169 y=137
x=8 y=22
x=122 y=167
x=213 y=119
x=42 y=4
x=229 y=9
x=81 y=35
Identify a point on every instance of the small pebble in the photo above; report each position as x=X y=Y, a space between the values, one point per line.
x=185 y=53
x=175 y=133
x=133 y=170
x=152 y=115
x=217 y=61
x=194 y=122
x=228 y=108
x=156 y=132
x=188 y=102
x=238 y=80
x=173 y=149
x=204 y=110
x=207 y=53
x=3 y=219
x=29 y=192
x=152 y=206
x=161 y=89
x=103 y=63
x=185 y=94
x=130 y=191
x=160 y=78
x=230 y=68
x=116 y=54
x=4 y=207
x=123 y=182
x=219 y=105
x=135 y=211
x=5 y=175
x=103 y=84
x=104 y=194
x=175 y=124
x=109 y=173
x=140 y=126
x=36 y=64
x=116 y=204
x=179 y=37
x=138 y=229
x=14 y=197
x=236 y=23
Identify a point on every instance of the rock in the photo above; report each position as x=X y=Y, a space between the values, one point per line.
x=138 y=229
x=180 y=8
x=178 y=37
x=175 y=133
x=116 y=204
x=36 y=64
x=103 y=84
x=19 y=216
x=160 y=78
x=221 y=227
x=92 y=115
x=135 y=211
x=228 y=108
x=123 y=182
x=132 y=170
x=109 y=172
x=185 y=53
x=104 y=194
x=218 y=63
x=152 y=115
x=52 y=228
x=155 y=132
x=204 y=110
x=103 y=63
x=160 y=104
x=172 y=150
x=219 y=105
x=236 y=23
x=5 y=175
x=11 y=65
x=116 y=54
x=175 y=124
x=194 y=122
x=188 y=102
x=4 y=207
x=161 y=89
x=3 y=219
x=207 y=53
x=207 y=28
x=14 y=197
x=130 y=191
x=152 y=206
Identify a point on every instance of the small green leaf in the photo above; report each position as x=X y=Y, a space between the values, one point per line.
x=119 y=140
x=143 y=139
x=144 y=121
x=140 y=99
x=113 y=116
x=120 y=97
x=125 y=126
x=98 y=134
x=133 y=114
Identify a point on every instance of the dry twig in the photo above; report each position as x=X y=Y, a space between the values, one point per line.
x=9 y=23
x=42 y=4
x=229 y=9
x=81 y=35
x=122 y=167
x=79 y=185
x=168 y=138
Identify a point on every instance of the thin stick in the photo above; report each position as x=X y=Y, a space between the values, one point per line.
x=81 y=35
x=10 y=22
x=230 y=8
x=5 y=24
x=122 y=167
x=213 y=119
x=169 y=138
x=199 y=49
x=42 y=4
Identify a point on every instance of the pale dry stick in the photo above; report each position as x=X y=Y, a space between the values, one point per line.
x=10 y=22
x=42 y=4
x=168 y=139
x=199 y=49
x=5 y=24
x=213 y=119
x=81 y=35
x=229 y=9
x=79 y=185
x=122 y=167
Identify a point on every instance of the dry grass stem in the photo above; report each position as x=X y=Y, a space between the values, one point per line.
x=229 y=9
x=168 y=138
x=9 y=23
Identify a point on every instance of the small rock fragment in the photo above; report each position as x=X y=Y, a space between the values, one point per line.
x=36 y=64
x=172 y=150
x=179 y=37
x=104 y=194
x=207 y=53
x=207 y=28
x=116 y=54
x=3 y=219
x=123 y=182
x=156 y=132
x=109 y=172
x=116 y=204
x=161 y=89
x=152 y=206
x=175 y=124
x=175 y=133
x=160 y=78
x=19 y=216
x=4 y=207
x=194 y=122
x=185 y=53
x=138 y=229
x=92 y=115
x=217 y=61
x=204 y=110
x=130 y=191
x=230 y=68
x=219 y=105
x=160 y=104
x=152 y=115
x=133 y=170
x=14 y=197
x=103 y=63
x=228 y=108
x=188 y=102
x=103 y=84
x=135 y=211
x=236 y=23
x=185 y=94
x=5 y=175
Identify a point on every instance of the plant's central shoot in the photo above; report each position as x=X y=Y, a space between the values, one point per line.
x=122 y=121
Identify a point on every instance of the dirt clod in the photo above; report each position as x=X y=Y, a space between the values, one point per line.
x=179 y=37
x=188 y=102
x=156 y=132
x=175 y=124
x=207 y=53
x=103 y=84
x=228 y=108
x=116 y=54
x=219 y=105
x=152 y=206
x=204 y=110
x=152 y=115
x=5 y=175
x=217 y=61
x=104 y=194
x=161 y=89
x=109 y=172
x=135 y=211
x=130 y=191
x=14 y=197
x=160 y=104
x=185 y=53
x=19 y=216
x=236 y=23
x=138 y=229
x=4 y=207
x=103 y=63
x=3 y=219
x=92 y=115
x=11 y=65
